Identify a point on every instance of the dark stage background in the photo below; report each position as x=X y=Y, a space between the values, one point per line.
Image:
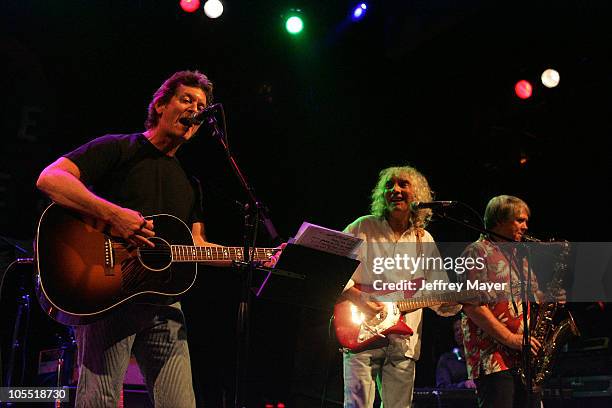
x=311 y=121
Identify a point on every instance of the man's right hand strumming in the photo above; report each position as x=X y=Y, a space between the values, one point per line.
x=131 y=226
x=371 y=308
x=363 y=302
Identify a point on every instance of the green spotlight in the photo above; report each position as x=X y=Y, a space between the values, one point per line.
x=294 y=25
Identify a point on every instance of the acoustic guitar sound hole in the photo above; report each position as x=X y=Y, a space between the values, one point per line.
x=158 y=258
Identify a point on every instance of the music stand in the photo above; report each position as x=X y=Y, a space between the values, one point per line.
x=307 y=277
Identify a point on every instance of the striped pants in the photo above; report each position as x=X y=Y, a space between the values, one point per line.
x=156 y=336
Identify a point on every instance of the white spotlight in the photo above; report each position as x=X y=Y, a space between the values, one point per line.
x=213 y=8
x=550 y=78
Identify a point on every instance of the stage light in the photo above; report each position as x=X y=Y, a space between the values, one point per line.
x=523 y=89
x=359 y=11
x=294 y=24
x=190 y=5
x=550 y=78
x=213 y=8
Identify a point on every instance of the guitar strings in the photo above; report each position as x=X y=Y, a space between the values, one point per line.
x=210 y=253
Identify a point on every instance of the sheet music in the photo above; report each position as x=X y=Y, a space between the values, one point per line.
x=327 y=240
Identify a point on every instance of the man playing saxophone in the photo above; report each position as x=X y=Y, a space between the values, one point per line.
x=493 y=331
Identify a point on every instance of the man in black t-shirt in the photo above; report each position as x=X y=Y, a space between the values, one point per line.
x=116 y=179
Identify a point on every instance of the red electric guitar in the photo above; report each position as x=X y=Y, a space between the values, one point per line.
x=356 y=333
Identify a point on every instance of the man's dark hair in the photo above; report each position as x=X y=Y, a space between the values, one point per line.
x=167 y=90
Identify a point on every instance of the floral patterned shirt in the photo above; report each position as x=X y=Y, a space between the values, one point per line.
x=484 y=355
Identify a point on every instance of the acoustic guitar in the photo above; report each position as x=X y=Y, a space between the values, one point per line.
x=84 y=273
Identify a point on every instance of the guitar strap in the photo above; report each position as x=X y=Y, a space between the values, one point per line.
x=419 y=233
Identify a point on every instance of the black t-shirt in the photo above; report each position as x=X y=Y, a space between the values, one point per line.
x=129 y=171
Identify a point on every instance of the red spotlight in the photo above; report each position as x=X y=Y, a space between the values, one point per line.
x=523 y=89
x=280 y=405
x=190 y=5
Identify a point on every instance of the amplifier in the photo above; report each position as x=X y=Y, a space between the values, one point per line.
x=443 y=398
x=130 y=398
x=579 y=387
x=54 y=362
x=586 y=358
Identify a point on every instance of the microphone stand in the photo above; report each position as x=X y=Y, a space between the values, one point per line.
x=19 y=338
x=525 y=286
x=526 y=347
x=254 y=212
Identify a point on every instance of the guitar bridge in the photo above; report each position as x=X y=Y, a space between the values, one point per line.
x=109 y=257
x=368 y=332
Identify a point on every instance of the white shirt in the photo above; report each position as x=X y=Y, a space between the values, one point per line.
x=380 y=242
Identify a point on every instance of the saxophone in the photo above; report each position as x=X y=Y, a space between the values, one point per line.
x=553 y=325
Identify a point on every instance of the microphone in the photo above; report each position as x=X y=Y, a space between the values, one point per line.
x=434 y=205
x=197 y=118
